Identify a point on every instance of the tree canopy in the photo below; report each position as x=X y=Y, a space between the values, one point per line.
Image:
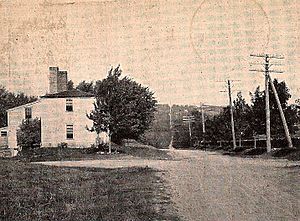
x=123 y=107
x=86 y=86
x=10 y=100
x=29 y=133
x=70 y=85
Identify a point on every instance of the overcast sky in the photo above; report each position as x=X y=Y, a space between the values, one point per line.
x=182 y=49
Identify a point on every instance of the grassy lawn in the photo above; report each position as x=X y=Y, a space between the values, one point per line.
x=36 y=192
x=58 y=154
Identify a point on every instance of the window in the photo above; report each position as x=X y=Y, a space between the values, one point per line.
x=3 y=133
x=70 y=134
x=28 y=113
x=69 y=105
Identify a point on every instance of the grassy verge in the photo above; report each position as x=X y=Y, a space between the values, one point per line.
x=35 y=192
x=59 y=154
x=145 y=152
x=283 y=153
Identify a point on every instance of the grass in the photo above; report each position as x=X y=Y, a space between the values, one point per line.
x=284 y=153
x=145 y=152
x=287 y=153
x=59 y=154
x=36 y=192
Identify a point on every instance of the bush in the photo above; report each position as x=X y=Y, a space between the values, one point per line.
x=255 y=151
x=62 y=145
x=29 y=134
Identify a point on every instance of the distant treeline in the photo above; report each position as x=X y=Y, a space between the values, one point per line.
x=10 y=100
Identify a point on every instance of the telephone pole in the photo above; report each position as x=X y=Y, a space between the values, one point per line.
x=171 y=128
x=203 y=121
x=231 y=114
x=285 y=126
x=268 y=80
x=189 y=119
x=229 y=90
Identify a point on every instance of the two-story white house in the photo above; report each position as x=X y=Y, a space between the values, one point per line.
x=62 y=113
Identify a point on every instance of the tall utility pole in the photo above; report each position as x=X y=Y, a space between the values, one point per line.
x=189 y=119
x=285 y=126
x=231 y=114
x=268 y=118
x=268 y=80
x=203 y=121
x=171 y=128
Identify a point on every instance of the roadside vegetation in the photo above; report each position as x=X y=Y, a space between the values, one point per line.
x=250 y=119
x=118 y=151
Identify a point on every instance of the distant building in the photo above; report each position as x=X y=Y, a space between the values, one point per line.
x=62 y=113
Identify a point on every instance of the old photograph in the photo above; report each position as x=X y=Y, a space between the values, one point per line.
x=135 y=110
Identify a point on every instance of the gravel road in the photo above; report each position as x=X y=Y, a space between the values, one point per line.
x=209 y=186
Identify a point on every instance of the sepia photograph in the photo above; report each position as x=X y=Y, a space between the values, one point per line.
x=141 y=110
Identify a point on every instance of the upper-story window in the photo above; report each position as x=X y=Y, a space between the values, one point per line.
x=28 y=112
x=69 y=105
x=3 y=133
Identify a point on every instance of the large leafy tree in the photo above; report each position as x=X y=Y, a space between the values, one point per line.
x=241 y=114
x=258 y=116
x=123 y=107
x=29 y=133
x=86 y=86
x=10 y=100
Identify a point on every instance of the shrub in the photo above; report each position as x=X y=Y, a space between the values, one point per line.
x=62 y=145
x=29 y=134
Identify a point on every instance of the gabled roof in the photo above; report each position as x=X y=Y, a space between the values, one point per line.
x=69 y=93
x=24 y=105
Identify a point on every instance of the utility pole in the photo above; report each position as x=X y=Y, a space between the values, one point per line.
x=189 y=119
x=286 y=129
x=203 y=122
x=228 y=82
x=171 y=128
x=231 y=114
x=268 y=80
x=268 y=117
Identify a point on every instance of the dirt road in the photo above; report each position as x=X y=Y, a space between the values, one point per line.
x=209 y=186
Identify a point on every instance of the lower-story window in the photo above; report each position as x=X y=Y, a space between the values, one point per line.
x=70 y=133
x=3 y=133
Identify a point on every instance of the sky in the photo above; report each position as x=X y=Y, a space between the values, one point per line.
x=183 y=50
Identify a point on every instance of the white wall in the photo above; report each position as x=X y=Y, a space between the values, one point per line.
x=54 y=119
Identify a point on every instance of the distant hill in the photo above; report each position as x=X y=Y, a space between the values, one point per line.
x=159 y=134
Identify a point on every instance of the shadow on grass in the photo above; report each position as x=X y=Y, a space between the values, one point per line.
x=36 y=192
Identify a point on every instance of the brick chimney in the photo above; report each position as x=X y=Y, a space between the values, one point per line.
x=57 y=80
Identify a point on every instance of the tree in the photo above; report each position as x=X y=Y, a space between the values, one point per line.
x=10 y=100
x=70 y=85
x=29 y=134
x=241 y=113
x=258 y=116
x=123 y=107
x=86 y=86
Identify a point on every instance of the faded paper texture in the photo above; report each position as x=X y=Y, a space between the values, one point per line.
x=181 y=49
